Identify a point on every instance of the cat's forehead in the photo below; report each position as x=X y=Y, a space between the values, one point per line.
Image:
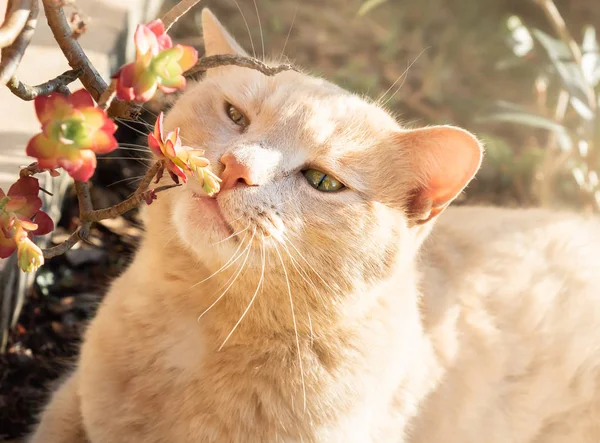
x=306 y=103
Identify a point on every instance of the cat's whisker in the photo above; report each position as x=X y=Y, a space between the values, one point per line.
x=140 y=120
x=125 y=148
x=149 y=111
x=247 y=27
x=309 y=265
x=287 y=281
x=260 y=282
x=310 y=327
x=145 y=134
x=303 y=275
x=138 y=178
x=227 y=264
x=293 y=197
x=136 y=145
x=298 y=267
x=231 y=236
x=247 y=252
x=289 y=31
x=262 y=40
x=124 y=158
x=402 y=76
x=169 y=241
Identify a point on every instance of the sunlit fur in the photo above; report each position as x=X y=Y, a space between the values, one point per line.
x=334 y=317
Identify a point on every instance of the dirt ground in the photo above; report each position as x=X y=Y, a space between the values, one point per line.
x=455 y=48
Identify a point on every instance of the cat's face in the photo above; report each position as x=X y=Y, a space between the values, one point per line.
x=309 y=171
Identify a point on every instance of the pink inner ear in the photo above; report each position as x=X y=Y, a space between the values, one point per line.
x=445 y=159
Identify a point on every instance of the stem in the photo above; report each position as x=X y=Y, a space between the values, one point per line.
x=215 y=61
x=84 y=198
x=126 y=205
x=81 y=233
x=14 y=24
x=26 y=92
x=560 y=27
x=91 y=79
x=108 y=96
x=177 y=11
x=12 y=55
x=87 y=214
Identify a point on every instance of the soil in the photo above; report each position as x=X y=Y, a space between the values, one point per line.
x=66 y=292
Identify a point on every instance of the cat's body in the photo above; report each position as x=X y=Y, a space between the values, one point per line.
x=336 y=317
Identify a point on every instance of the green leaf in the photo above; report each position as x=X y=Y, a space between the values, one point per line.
x=570 y=73
x=590 y=63
x=511 y=113
x=369 y=5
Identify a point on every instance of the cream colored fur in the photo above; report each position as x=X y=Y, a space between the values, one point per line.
x=486 y=330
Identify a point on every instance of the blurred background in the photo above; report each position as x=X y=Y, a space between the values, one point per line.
x=491 y=66
x=521 y=74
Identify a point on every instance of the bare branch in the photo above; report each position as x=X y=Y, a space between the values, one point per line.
x=14 y=24
x=84 y=198
x=559 y=25
x=127 y=205
x=12 y=55
x=177 y=11
x=34 y=168
x=108 y=95
x=81 y=233
x=87 y=214
x=26 y=92
x=77 y=58
x=215 y=61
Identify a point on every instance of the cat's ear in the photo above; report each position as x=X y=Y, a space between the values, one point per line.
x=216 y=38
x=443 y=160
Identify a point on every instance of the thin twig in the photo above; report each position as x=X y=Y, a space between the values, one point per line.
x=12 y=55
x=84 y=198
x=16 y=19
x=155 y=169
x=87 y=214
x=91 y=79
x=26 y=92
x=560 y=27
x=177 y=11
x=34 y=168
x=215 y=61
x=126 y=205
x=81 y=233
x=108 y=95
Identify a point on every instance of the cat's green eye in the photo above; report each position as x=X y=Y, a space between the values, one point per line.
x=235 y=115
x=322 y=181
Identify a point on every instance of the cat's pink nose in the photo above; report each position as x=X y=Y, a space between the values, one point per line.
x=235 y=173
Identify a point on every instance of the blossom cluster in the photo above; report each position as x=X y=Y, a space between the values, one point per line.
x=20 y=217
x=74 y=129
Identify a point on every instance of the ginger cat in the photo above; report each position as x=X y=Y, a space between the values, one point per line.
x=308 y=302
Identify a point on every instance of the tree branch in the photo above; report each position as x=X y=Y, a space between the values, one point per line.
x=12 y=55
x=26 y=92
x=84 y=198
x=77 y=58
x=88 y=215
x=177 y=11
x=215 y=61
x=560 y=27
x=81 y=233
x=14 y=24
x=127 y=205
x=108 y=95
